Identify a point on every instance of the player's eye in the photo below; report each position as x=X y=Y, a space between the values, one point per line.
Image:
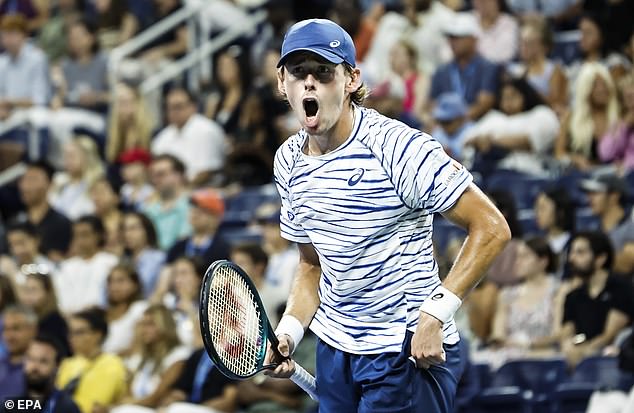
x=297 y=71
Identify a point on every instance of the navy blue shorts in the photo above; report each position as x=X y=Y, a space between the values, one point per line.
x=387 y=382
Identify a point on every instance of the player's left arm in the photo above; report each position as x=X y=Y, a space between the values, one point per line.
x=487 y=234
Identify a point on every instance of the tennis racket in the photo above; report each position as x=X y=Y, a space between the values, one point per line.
x=235 y=328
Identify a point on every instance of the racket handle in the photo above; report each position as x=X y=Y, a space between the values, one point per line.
x=306 y=381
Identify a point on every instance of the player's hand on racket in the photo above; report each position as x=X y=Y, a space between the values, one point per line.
x=286 y=366
x=426 y=346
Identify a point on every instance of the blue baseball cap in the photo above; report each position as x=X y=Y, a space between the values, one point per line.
x=450 y=106
x=321 y=36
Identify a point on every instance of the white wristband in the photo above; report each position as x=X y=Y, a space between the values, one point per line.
x=291 y=326
x=441 y=304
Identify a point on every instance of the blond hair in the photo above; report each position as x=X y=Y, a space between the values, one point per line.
x=92 y=167
x=581 y=124
x=156 y=351
x=137 y=134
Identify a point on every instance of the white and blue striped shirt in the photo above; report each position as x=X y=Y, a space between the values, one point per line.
x=367 y=207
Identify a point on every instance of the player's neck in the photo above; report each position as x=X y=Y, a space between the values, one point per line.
x=334 y=137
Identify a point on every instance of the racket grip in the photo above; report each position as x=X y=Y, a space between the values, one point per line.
x=306 y=381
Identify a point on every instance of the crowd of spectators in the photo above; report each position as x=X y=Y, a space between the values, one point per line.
x=106 y=235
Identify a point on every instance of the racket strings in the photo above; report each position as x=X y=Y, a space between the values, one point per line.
x=234 y=322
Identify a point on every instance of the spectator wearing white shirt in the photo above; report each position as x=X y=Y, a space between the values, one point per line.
x=81 y=280
x=518 y=136
x=499 y=31
x=191 y=137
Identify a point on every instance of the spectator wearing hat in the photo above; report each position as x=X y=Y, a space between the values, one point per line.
x=24 y=67
x=205 y=214
x=607 y=193
x=170 y=208
x=468 y=74
x=191 y=137
x=136 y=189
x=452 y=124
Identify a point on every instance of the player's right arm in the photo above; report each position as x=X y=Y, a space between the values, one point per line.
x=302 y=305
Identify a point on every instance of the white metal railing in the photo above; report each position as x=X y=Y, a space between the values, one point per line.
x=118 y=54
x=197 y=55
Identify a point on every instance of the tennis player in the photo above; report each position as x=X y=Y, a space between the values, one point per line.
x=358 y=192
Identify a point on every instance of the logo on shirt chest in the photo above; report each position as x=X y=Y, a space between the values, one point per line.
x=357 y=174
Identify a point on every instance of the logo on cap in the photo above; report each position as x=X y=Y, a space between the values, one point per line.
x=335 y=43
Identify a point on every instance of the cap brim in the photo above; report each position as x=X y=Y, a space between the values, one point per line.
x=325 y=53
x=591 y=185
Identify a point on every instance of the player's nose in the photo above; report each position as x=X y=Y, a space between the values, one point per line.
x=309 y=81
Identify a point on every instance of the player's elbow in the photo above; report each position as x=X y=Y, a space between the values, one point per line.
x=496 y=232
x=502 y=233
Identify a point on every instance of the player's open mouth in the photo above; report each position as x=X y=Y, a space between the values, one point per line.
x=311 y=108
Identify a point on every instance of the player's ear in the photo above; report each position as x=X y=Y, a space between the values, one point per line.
x=354 y=80
x=280 y=81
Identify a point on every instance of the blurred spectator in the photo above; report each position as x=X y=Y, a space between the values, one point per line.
x=130 y=124
x=19 y=329
x=205 y=215
x=468 y=74
x=253 y=260
x=615 y=17
x=52 y=36
x=183 y=299
x=136 y=189
x=196 y=140
x=53 y=227
x=562 y=14
x=140 y=243
x=518 y=136
x=170 y=208
x=24 y=67
x=38 y=293
x=95 y=379
x=81 y=279
x=499 y=31
x=404 y=94
x=114 y=22
x=555 y=216
x=594 y=111
x=106 y=202
x=617 y=144
x=452 y=124
x=503 y=269
x=607 y=193
x=26 y=8
x=594 y=48
x=283 y=254
x=226 y=99
x=124 y=309
x=200 y=388
x=545 y=76
x=8 y=297
x=41 y=362
x=360 y=24
x=530 y=312
x=601 y=307
x=24 y=242
x=156 y=363
x=70 y=192
x=81 y=85
x=172 y=44
x=422 y=23
x=480 y=306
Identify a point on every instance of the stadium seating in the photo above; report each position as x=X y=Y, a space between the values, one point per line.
x=523 y=188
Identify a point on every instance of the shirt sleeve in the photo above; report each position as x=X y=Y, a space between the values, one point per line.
x=289 y=227
x=39 y=79
x=423 y=174
x=569 y=308
x=490 y=77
